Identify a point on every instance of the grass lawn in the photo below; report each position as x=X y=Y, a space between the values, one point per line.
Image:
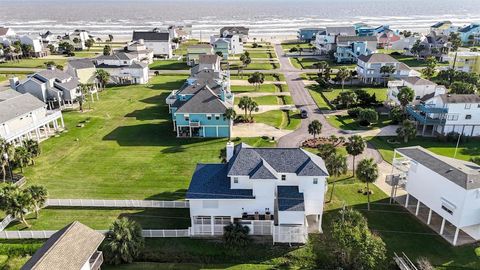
x=348 y=123
x=3 y=77
x=263 y=100
x=102 y=218
x=309 y=63
x=31 y=63
x=255 y=66
x=182 y=49
x=279 y=119
x=288 y=46
x=261 y=54
x=250 y=88
x=412 y=61
x=186 y=266
x=323 y=98
x=466 y=150
x=128 y=150
x=87 y=54
x=268 y=77
x=168 y=65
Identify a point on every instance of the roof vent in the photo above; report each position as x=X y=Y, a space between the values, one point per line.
x=450 y=170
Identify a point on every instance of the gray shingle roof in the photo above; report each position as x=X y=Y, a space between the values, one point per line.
x=235 y=30
x=290 y=199
x=18 y=106
x=8 y=93
x=151 y=36
x=454 y=98
x=210 y=181
x=377 y=58
x=356 y=38
x=81 y=63
x=282 y=160
x=53 y=74
x=418 y=81
x=204 y=101
x=469 y=28
x=349 y=30
x=117 y=56
x=208 y=58
x=463 y=173
x=69 y=248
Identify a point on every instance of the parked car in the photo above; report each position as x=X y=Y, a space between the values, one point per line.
x=303 y=114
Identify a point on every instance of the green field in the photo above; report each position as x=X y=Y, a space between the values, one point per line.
x=279 y=119
x=310 y=63
x=127 y=150
x=323 y=98
x=250 y=88
x=253 y=66
x=412 y=61
x=182 y=49
x=268 y=77
x=31 y=63
x=263 y=100
x=288 y=46
x=168 y=65
x=346 y=122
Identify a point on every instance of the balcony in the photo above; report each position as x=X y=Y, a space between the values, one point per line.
x=96 y=260
x=424 y=118
x=171 y=98
x=194 y=123
x=430 y=109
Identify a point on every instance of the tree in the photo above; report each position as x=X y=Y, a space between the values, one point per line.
x=107 y=50
x=355 y=146
x=124 y=241
x=397 y=115
x=386 y=72
x=424 y=264
x=256 y=79
x=252 y=106
x=16 y=202
x=66 y=47
x=244 y=104
x=51 y=48
x=455 y=43
x=367 y=116
x=336 y=165
x=314 y=128
x=76 y=40
x=325 y=150
x=49 y=63
x=322 y=65
x=407 y=130
x=343 y=75
x=405 y=96
x=110 y=38
x=367 y=172
x=39 y=196
x=83 y=88
x=27 y=49
x=417 y=49
x=33 y=148
x=89 y=43
x=22 y=158
x=346 y=98
x=293 y=49
x=236 y=236
x=462 y=88
x=6 y=150
x=429 y=70
x=103 y=77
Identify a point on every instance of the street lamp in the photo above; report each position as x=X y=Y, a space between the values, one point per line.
x=5 y=156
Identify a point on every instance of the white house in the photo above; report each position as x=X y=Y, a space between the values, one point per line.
x=74 y=247
x=52 y=86
x=123 y=68
x=274 y=191
x=369 y=68
x=37 y=45
x=235 y=45
x=6 y=32
x=140 y=51
x=448 y=113
x=23 y=116
x=157 y=40
x=406 y=43
x=443 y=192
x=326 y=41
x=81 y=35
x=423 y=89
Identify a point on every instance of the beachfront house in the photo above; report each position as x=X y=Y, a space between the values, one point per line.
x=157 y=40
x=466 y=61
x=423 y=89
x=349 y=48
x=442 y=192
x=194 y=52
x=443 y=28
x=6 y=32
x=446 y=113
x=139 y=50
x=241 y=31
x=435 y=45
x=470 y=34
x=386 y=37
x=325 y=41
x=366 y=30
x=124 y=68
x=274 y=191
x=82 y=69
x=369 y=68
x=52 y=86
x=23 y=116
x=308 y=34
x=78 y=35
x=198 y=107
x=405 y=44
x=74 y=247
x=227 y=45
x=37 y=48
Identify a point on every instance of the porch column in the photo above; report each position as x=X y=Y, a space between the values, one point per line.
x=418 y=208
x=63 y=123
x=37 y=134
x=217 y=130
x=442 y=227
x=455 y=238
x=190 y=128
x=429 y=216
x=406 y=201
x=212 y=224
x=178 y=132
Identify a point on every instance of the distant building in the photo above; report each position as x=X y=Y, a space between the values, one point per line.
x=308 y=34
x=470 y=34
x=436 y=45
x=326 y=41
x=83 y=69
x=74 y=247
x=6 y=32
x=273 y=191
x=157 y=40
x=349 y=48
x=443 y=28
x=139 y=50
x=423 y=89
x=227 y=45
x=23 y=116
x=241 y=31
x=194 y=52
x=80 y=35
x=369 y=66
x=124 y=68
x=386 y=37
x=406 y=43
x=38 y=50
x=466 y=61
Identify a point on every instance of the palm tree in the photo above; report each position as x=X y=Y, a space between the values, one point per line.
x=367 y=172
x=252 y=106
x=355 y=146
x=4 y=153
x=407 y=130
x=386 y=72
x=124 y=241
x=405 y=96
x=17 y=204
x=33 y=148
x=39 y=196
x=236 y=236
x=83 y=88
x=103 y=77
x=244 y=104
x=343 y=75
x=314 y=128
x=455 y=42
x=22 y=158
x=336 y=165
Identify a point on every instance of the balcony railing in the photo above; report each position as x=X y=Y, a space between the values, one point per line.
x=423 y=117
x=431 y=109
x=96 y=260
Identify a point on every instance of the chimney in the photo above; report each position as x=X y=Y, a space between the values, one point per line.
x=230 y=149
x=14 y=83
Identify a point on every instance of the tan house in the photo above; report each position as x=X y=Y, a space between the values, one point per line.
x=83 y=69
x=194 y=52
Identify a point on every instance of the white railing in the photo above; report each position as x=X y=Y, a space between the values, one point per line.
x=117 y=203
x=48 y=234
x=5 y=222
x=49 y=117
x=290 y=234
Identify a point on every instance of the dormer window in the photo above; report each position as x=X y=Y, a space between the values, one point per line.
x=284 y=177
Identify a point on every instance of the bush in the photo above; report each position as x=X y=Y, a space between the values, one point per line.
x=397 y=115
x=477 y=161
x=353 y=112
x=236 y=236
x=424 y=264
x=367 y=116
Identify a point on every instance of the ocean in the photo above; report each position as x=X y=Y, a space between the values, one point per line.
x=265 y=18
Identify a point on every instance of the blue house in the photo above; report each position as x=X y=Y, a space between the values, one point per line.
x=198 y=107
x=365 y=30
x=349 y=48
x=472 y=30
x=308 y=34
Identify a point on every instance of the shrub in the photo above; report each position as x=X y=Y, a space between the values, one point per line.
x=397 y=115
x=353 y=112
x=236 y=236
x=424 y=264
x=477 y=161
x=367 y=116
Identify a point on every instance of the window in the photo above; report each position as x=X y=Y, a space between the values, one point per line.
x=209 y=117
x=235 y=180
x=187 y=117
x=315 y=181
x=448 y=206
x=468 y=116
x=452 y=117
x=468 y=105
x=284 y=177
x=447 y=210
x=217 y=117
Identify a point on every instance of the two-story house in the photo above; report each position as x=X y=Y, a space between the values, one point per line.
x=124 y=68
x=55 y=87
x=82 y=69
x=74 y=247
x=241 y=31
x=23 y=116
x=465 y=61
x=36 y=45
x=194 y=52
x=436 y=45
x=369 y=68
x=326 y=41
x=274 y=191
x=448 y=113
x=79 y=35
x=349 y=48
x=139 y=50
x=442 y=192
x=470 y=33
x=423 y=89
x=157 y=40
x=443 y=28
x=308 y=34
x=227 y=45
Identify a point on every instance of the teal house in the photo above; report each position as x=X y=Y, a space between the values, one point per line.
x=308 y=34
x=470 y=33
x=221 y=46
x=349 y=48
x=198 y=107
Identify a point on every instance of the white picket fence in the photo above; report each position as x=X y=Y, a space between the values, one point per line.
x=5 y=222
x=48 y=234
x=117 y=203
